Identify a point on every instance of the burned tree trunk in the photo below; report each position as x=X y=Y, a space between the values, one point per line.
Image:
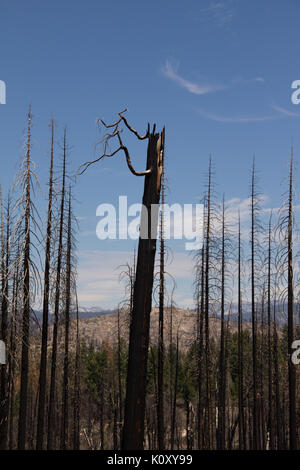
x=133 y=431
x=76 y=407
x=253 y=311
x=133 y=434
x=65 y=400
x=206 y=309
x=51 y=418
x=222 y=367
x=4 y=402
x=242 y=431
x=160 y=366
x=43 y=363
x=270 y=371
x=291 y=366
x=26 y=302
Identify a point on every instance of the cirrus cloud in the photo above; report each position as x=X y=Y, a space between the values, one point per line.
x=171 y=71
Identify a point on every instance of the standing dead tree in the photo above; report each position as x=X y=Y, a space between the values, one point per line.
x=51 y=417
x=25 y=231
x=43 y=362
x=241 y=402
x=67 y=304
x=160 y=365
x=133 y=433
x=5 y=260
x=285 y=265
x=255 y=231
x=26 y=304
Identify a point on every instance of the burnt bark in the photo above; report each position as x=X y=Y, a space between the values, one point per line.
x=133 y=434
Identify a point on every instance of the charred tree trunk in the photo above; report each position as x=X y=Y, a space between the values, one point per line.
x=222 y=366
x=4 y=402
x=160 y=366
x=270 y=368
x=262 y=430
x=133 y=435
x=51 y=417
x=200 y=323
x=253 y=312
x=26 y=303
x=120 y=388
x=291 y=366
x=242 y=430
x=206 y=310
x=65 y=402
x=279 y=417
x=173 y=417
x=43 y=363
x=133 y=431
x=76 y=409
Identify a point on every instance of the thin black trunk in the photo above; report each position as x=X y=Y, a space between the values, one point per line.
x=222 y=368
x=270 y=362
x=253 y=313
x=160 y=366
x=206 y=310
x=65 y=402
x=133 y=435
x=76 y=409
x=43 y=363
x=291 y=366
x=51 y=409
x=26 y=302
x=242 y=429
x=4 y=398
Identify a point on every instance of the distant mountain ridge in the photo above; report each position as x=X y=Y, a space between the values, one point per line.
x=95 y=312
x=83 y=313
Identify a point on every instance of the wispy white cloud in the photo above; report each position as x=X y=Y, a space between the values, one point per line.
x=221 y=12
x=237 y=119
x=285 y=112
x=241 y=80
x=171 y=71
x=280 y=114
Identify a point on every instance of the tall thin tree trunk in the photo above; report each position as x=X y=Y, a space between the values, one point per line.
x=43 y=362
x=291 y=366
x=133 y=435
x=76 y=415
x=279 y=418
x=207 y=343
x=262 y=376
x=120 y=391
x=26 y=300
x=51 y=418
x=253 y=312
x=200 y=323
x=270 y=362
x=160 y=366
x=173 y=418
x=222 y=368
x=65 y=401
x=4 y=399
x=242 y=437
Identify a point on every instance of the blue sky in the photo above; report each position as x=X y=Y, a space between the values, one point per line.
x=218 y=74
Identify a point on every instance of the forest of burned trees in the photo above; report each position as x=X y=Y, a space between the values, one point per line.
x=233 y=386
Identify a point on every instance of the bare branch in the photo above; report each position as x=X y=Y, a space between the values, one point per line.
x=117 y=133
